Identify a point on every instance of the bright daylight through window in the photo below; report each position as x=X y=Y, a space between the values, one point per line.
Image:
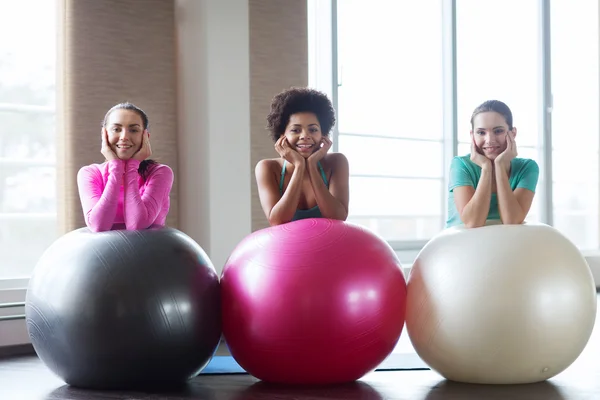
x=389 y=60
x=27 y=135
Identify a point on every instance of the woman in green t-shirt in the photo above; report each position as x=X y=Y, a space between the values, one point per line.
x=491 y=183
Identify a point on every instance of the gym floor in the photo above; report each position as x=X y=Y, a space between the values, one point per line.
x=26 y=378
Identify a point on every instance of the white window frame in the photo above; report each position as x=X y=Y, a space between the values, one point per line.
x=323 y=57
x=13 y=329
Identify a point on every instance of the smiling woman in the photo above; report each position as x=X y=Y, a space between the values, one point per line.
x=127 y=190
x=306 y=181
x=491 y=183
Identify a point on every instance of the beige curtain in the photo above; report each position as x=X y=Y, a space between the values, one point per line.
x=112 y=51
x=278 y=60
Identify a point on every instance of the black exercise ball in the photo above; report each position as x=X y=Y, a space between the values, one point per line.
x=124 y=309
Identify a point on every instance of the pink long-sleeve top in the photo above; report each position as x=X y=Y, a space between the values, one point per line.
x=114 y=193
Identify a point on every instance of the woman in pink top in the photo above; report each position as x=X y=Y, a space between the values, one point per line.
x=127 y=191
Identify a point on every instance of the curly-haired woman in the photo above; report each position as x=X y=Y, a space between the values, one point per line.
x=305 y=181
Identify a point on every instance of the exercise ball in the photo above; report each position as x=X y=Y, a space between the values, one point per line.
x=314 y=301
x=500 y=304
x=121 y=309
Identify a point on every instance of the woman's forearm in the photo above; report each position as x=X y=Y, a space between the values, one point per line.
x=286 y=207
x=510 y=210
x=329 y=206
x=475 y=213
x=100 y=201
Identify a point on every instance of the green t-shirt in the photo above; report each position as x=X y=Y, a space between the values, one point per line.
x=524 y=173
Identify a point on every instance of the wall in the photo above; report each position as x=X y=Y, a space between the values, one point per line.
x=233 y=57
x=112 y=51
x=206 y=72
x=278 y=60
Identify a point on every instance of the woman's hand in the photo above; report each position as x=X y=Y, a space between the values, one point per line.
x=505 y=158
x=106 y=150
x=319 y=154
x=284 y=149
x=477 y=157
x=145 y=150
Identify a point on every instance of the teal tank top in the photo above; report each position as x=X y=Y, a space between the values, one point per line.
x=311 y=212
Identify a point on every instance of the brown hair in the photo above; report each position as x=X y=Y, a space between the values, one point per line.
x=496 y=106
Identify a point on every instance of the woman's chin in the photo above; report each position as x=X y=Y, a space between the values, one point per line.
x=124 y=157
x=306 y=154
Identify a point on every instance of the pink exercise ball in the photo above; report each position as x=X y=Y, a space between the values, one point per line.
x=313 y=301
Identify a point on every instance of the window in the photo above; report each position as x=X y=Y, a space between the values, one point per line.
x=402 y=115
x=27 y=134
x=390 y=108
x=575 y=128
x=503 y=64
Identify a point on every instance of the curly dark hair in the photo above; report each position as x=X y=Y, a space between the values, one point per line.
x=295 y=100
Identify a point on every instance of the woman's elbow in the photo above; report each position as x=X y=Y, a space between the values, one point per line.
x=345 y=213
x=472 y=223
x=513 y=221
x=343 y=216
x=95 y=226
x=138 y=225
x=98 y=228
x=275 y=218
x=339 y=214
x=276 y=221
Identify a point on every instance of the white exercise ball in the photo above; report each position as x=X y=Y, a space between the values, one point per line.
x=500 y=304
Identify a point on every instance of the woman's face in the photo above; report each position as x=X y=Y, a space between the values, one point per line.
x=125 y=132
x=489 y=133
x=303 y=133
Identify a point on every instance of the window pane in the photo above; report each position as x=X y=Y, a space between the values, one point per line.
x=575 y=74
x=391 y=83
x=27 y=134
x=27 y=59
x=35 y=138
x=575 y=124
x=580 y=166
x=580 y=228
x=498 y=58
x=402 y=228
x=395 y=197
x=22 y=242
x=392 y=157
x=27 y=189
x=574 y=196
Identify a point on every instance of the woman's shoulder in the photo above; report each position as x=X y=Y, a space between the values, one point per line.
x=464 y=158
x=525 y=161
x=268 y=164
x=525 y=164
x=335 y=160
x=95 y=168
x=156 y=168
x=157 y=165
x=521 y=161
x=92 y=174
x=463 y=162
